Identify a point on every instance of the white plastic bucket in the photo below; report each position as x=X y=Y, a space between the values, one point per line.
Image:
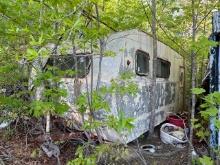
x=169 y=139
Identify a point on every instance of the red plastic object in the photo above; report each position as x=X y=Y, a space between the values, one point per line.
x=176 y=121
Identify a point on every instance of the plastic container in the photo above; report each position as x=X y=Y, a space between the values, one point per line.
x=4 y=124
x=169 y=139
x=176 y=121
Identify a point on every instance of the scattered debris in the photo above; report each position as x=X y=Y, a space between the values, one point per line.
x=51 y=149
x=177 y=120
x=201 y=148
x=180 y=145
x=172 y=134
x=5 y=155
x=4 y=124
x=24 y=154
x=61 y=137
x=149 y=148
x=1 y=162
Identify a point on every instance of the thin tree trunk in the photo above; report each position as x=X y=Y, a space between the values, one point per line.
x=90 y=100
x=201 y=71
x=91 y=110
x=101 y=43
x=203 y=57
x=184 y=84
x=153 y=85
x=193 y=76
x=54 y=54
x=48 y=123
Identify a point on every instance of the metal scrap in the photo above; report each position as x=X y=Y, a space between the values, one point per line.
x=51 y=149
x=149 y=148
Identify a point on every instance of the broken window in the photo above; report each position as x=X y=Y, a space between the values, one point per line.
x=163 y=68
x=79 y=63
x=142 y=63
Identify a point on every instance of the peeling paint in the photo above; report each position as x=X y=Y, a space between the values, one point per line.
x=168 y=91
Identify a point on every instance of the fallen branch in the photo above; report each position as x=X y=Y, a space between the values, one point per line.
x=5 y=155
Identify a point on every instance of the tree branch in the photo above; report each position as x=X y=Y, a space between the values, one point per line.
x=86 y=14
x=162 y=28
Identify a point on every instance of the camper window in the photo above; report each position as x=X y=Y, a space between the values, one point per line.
x=142 y=63
x=163 y=68
x=80 y=64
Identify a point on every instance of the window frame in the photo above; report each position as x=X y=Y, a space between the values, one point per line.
x=78 y=58
x=165 y=62
x=136 y=62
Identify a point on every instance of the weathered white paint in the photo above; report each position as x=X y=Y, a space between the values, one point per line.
x=169 y=92
x=216 y=22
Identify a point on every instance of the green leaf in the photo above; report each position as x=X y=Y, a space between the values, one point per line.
x=205 y=160
x=82 y=103
x=210 y=112
x=120 y=123
x=217 y=124
x=31 y=54
x=198 y=91
x=91 y=125
x=60 y=108
x=109 y=53
x=126 y=75
x=202 y=134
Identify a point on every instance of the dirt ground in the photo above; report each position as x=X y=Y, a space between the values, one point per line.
x=165 y=153
x=19 y=149
x=16 y=151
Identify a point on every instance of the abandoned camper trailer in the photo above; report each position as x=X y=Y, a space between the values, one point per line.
x=133 y=51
